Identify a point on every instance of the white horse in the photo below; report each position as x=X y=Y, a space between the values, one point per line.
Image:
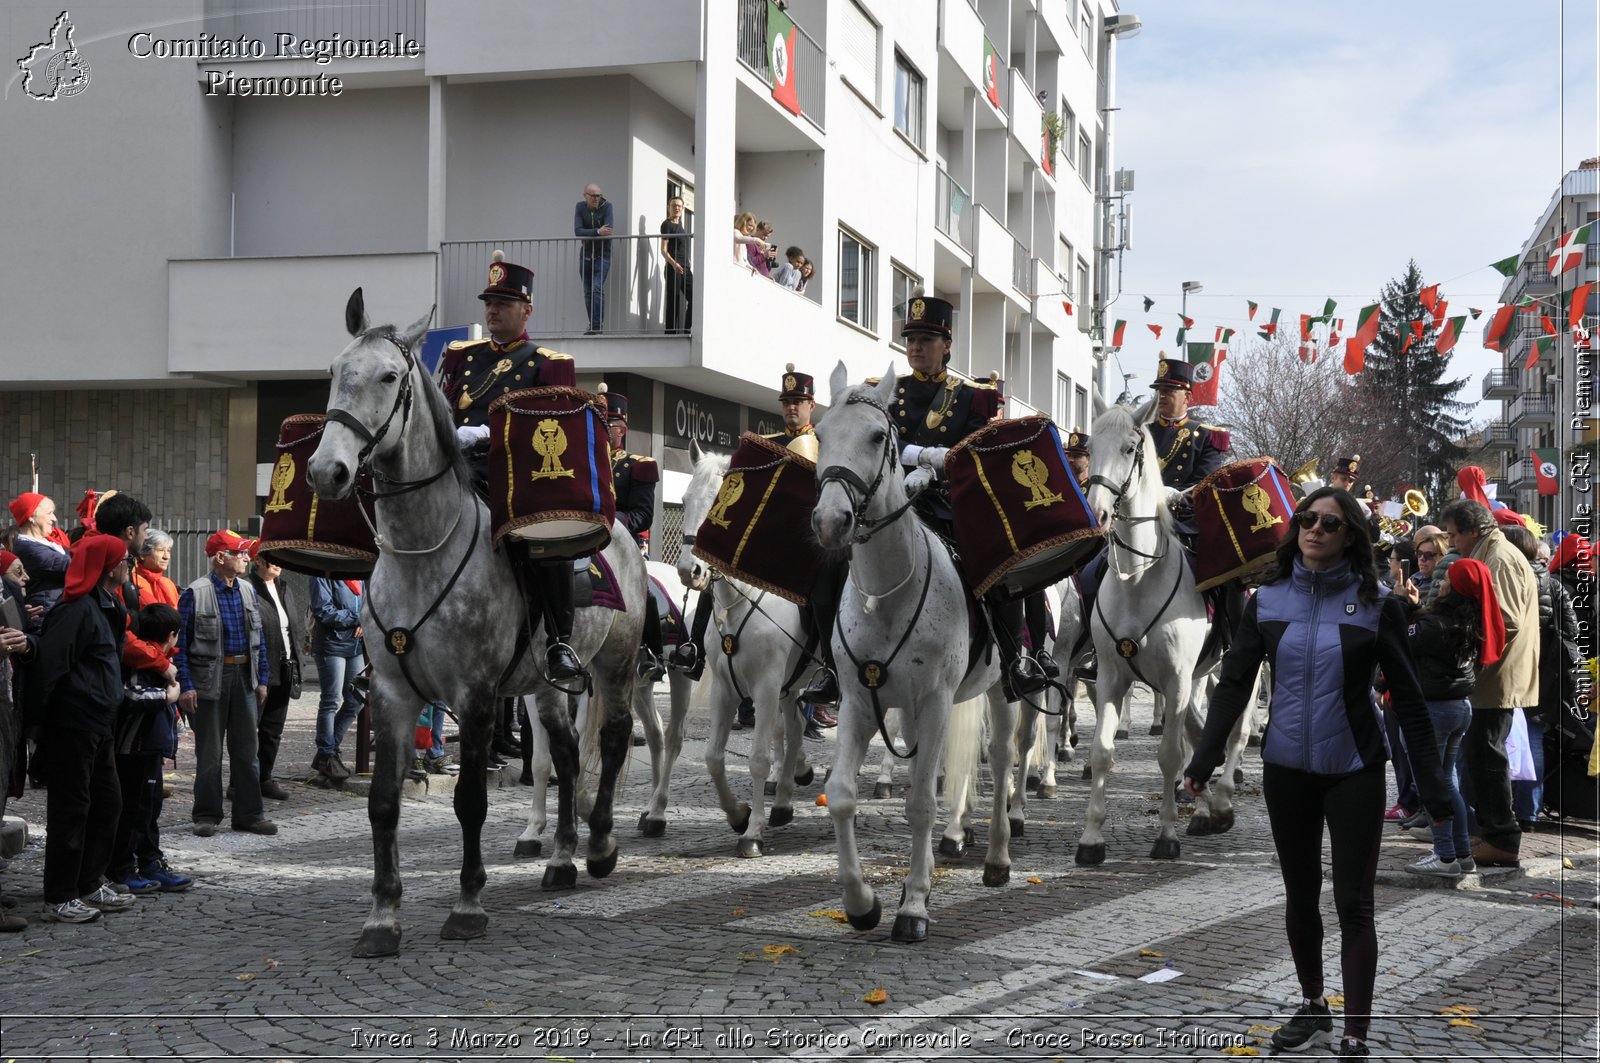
x=456 y=616
x=1149 y=621
x=900 y=641
x=665 y=743
x=765 y=634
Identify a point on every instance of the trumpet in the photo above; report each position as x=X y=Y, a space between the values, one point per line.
x=1416 y=503
x=1305 y=478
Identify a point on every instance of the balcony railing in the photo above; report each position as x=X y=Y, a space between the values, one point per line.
x=1519 y=474
x=1500 y=436
x=1533 y=407
x=952 y=208
x=263 y=20
x=1501 y=383
x=633 y=294
x=810 y=61
x=1021 y=269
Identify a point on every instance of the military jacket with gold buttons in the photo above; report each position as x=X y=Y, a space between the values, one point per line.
x=1188 y=450
x=634 y=478
x=940 y=410
x=474 y=374
x=803 y=442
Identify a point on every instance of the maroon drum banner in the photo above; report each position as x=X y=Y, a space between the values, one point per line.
x=1243 y=511
x=550 y=471
x=759 y=530
x=1021 y=520
x=304 y=532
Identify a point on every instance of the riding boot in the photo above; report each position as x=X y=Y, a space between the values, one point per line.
x=554 y=582
x=1038 y=614
x=650 y=666
x=1021 y=673
x=826 y=587
x=525 y=733
x=504 y=727
x=690 y=656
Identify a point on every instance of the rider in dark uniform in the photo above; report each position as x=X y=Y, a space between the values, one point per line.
x=633 y=479
x=475 y=373
x=1344 y=474
x=1188 y=450
x=933 y=411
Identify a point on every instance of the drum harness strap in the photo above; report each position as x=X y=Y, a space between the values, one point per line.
x=1128 y=649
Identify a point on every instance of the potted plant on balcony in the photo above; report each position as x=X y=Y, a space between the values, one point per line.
x=1054 y=129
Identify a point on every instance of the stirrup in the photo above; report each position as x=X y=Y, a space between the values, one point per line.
x=822 y=690
x=1025 y=675
x=565 y=679
x=361 y=685
x=649 y=665
x=1048 y=664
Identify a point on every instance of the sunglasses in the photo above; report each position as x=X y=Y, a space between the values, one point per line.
x=1427 y=555
x=1308 y=520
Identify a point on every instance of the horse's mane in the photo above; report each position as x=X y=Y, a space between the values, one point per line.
x=432 y=397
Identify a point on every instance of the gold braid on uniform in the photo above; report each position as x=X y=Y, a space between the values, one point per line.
x=1177 y=441
x=469 y=396
x=952 y=388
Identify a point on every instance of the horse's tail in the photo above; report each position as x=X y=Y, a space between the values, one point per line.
x=963 y=741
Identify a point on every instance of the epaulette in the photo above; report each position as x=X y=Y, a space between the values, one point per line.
x=461 y=345
x=642 y=457
x=554 y=355
x=987 y=385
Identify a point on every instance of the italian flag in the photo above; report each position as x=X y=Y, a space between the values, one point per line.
x=1450 y=334
x=1207 y=361
x=1117 y=332
x=780 y=58
x=1569 y=251
x=1547 y=470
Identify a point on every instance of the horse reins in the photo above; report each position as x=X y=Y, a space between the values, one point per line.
x=859 y=491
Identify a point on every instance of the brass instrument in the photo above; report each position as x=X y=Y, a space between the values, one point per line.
x=1305 y=478
x=1416 y=503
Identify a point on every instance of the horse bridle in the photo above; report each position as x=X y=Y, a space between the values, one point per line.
x=402 y=406
x=860 y=492
x=1119 y=494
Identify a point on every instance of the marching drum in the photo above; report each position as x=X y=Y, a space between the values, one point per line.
x=306 y=533
x=1243 y=511
x=550 y=471
x=759 y=529
x=1021 y=521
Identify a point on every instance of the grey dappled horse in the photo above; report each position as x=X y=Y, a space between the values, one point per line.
x=664 y=743
x=903 y=626
x=769 y=642
x=440 y=576
x=1149 y=623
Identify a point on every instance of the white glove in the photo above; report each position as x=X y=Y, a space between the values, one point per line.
x=909 y=454
x=469 y=434
x=1175 y=497
x=919 y=480
x=930 y=467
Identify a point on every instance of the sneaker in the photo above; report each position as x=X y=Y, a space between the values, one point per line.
x=169 y=880
x=205 y=828
x=139 y=885
x=341 y=770
x=73 y=911
x=109 y=899
x=1397 y=813
x=1311 y=1025
x=1350 y=1048
x=1416 y=819
x=1432 y=865
x=321 y=764
x=260 y=826
x=1467 y=865
x=273 y=789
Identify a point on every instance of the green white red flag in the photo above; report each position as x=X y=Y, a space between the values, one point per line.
x=1117 y=332
x=1206 y=358
x=780 y=58
x=1547 y=470
x=1569 y=251
x=1537 y=350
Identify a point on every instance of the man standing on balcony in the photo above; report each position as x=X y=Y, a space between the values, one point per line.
x=680 y=278
x=592 y=220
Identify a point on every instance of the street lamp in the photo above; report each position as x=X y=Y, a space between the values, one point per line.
x=1189 y=286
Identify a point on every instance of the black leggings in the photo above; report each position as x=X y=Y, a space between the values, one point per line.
x=1298 y=803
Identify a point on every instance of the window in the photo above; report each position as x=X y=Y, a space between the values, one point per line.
x=858 y=51
x=1086 y=33
x=1081 y=290
x=906 y=285
x=1064 y=257
x=1063 y=409
x=909 y=92
x=857 y=292
x=1084 y=151
x=1082 y=409
x=1069 y=124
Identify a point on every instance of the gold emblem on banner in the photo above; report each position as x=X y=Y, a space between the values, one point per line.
x=550 y=442
x=282 y=477
x=732 y=489
x=1033 y=474
x=1257 y=501
x=918 y=308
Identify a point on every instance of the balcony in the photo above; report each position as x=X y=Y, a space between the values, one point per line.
x=1027 y=117
x=993 y=87
x=1500 y=436
x=264 y=20
x=952 y=207
x=1502 y=383
x=1519 y=475
x=634 y=288
x=810 y=61
x=960 y=40
x=1532 y=409
x=1021 y=269
x=1049 y=289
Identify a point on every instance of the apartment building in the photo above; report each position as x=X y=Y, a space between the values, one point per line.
x=219 y=175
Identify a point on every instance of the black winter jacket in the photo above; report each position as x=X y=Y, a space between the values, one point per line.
x=75 y=679
x=1444 y=676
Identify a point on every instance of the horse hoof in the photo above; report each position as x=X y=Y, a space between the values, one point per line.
x=1164 y=849
x=968 y=836
x=1199 y=826
x=464 y=926
x=1238 y=776
x=1017 y=828
x=559 y=877
x=770 y=789
x=870 y=919
x=780 y=817
x=1047 y=791
x=951 y=848
x=751 y=849
x=1033 y=781
x=1073 y=741
x=1155 y=730
x=1221 y=822
x=377 y=941
x=1088 y=772
x=1090 y=855
x=1122 y=734
x=996 y=875
x=881 y=790
x=527 y=848
x=910 y=929
x=741 y=824
x=806 y=778
x=652 y=828
x=601 y=866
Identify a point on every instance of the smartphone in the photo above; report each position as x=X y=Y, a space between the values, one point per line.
x=1405 y=573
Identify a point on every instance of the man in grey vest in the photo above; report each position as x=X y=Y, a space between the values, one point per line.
x=222 y=672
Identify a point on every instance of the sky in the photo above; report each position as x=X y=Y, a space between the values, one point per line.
x=1288 y=153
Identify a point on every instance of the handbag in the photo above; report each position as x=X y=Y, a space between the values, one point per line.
x=1519 y=750
x=293 y=666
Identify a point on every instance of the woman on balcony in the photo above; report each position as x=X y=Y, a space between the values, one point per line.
x=744 y=235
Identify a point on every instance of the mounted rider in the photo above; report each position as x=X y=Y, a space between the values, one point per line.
x=475 y=373
x=633 y=479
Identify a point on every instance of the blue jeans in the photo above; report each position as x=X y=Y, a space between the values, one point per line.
x=338 y=707
x=437 y=749
x=1528 y=796
x=592 y=271
x=1450 y=721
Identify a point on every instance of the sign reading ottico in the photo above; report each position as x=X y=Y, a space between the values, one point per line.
x=208 y=47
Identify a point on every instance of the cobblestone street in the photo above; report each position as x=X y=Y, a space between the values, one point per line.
x=687 y=951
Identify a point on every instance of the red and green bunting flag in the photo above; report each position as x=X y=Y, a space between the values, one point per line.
x=1355 y=348
x=1577 y=302
x=1207 y=361
x=780 y=55
x=1449 y=334
x=1569 y=251
x=1429 y=297
x=1546 y=470
x=1506 y=266
x=1253 y=306
x=1117 y=332
x=1148 y=303
x=1270 y=329
x=1494 y=335
x=1537 y=350
x=1305 y=327
x=1154 y=328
